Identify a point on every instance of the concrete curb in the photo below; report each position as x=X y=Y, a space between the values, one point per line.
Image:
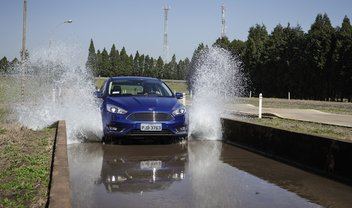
x=327 y=156
x=60 y=191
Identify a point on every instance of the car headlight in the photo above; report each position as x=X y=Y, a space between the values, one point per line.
x=179 y=111
x=115 y=109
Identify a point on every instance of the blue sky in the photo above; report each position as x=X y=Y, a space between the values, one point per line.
x=138 y=24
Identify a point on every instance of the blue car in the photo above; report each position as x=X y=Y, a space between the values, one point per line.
x=141 y=107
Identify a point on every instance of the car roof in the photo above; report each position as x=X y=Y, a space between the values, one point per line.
x=134 y=78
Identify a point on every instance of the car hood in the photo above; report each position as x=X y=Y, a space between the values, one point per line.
x=145 y=103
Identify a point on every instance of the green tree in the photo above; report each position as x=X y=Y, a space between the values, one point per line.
x=223 y=43
x=91 y=63
x=293 y=61
x=125 y=67
x=319 y=54
x=342 y=61
x=184 y=70
x=114 y=61
x=136 y=64
x=237 y=48
x=13 y=64
x=159 y=67
x=99 y=61
x=273 y=75
x=254 y=57
x=141 y=63
x=103 y=63
x=4 y=65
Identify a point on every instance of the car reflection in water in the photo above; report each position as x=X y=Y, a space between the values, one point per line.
x=142 y=168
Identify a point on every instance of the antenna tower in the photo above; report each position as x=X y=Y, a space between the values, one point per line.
x=223 y=26
x=165 y=45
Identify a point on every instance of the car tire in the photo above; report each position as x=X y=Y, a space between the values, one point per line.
x=107 y=139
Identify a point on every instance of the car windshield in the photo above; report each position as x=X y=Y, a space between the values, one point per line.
x=139 y=88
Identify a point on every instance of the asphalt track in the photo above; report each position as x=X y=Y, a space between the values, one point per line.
x=310 y=115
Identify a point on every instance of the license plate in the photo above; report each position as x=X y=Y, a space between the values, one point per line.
x=151 y=127
x=150 y=164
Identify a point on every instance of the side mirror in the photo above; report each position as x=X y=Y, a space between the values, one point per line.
x=99 y=94
x=178 y=95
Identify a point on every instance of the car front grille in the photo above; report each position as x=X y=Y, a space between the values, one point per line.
x=164 y=132
x=150 y=117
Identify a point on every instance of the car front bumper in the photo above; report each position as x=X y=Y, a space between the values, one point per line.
x=119 y=125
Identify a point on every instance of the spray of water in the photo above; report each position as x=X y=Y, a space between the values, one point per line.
x=55 y=85
x=217 y=78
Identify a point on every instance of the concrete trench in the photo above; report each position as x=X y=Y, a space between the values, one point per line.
x=325 y=156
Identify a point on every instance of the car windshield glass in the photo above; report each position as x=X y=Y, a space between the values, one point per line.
x=139 y=88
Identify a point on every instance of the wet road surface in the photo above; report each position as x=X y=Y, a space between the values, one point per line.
x=193 y=174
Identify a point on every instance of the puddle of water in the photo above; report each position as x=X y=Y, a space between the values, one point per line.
x=173 y=176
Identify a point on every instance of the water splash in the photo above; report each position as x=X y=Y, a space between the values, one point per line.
x=55 y=85
x=217 y=78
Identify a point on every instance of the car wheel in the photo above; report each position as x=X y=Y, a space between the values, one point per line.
x=107 y=139
x=180 y=140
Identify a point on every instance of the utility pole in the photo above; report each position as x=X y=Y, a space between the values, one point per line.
x=223 y=26
x=165 y=45
x=23 y=51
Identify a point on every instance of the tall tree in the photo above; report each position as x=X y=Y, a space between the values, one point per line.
x=141 y=65
x=136 y=64
x=159 y=67
x=319 y=54
x=170 y=72
x=91 y=63
x=4 y=65
x=98 y=71
x=342 y=60
x=254 y=57
x=223 y=43
x=147 y=66
x=114 y=60
x=103 y=64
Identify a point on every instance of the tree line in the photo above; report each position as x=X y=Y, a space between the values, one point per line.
x=119 y=63
x=7 y=66
x=316 y=64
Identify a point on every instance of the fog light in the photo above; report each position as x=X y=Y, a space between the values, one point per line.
x=181 y=129
x=113 y=128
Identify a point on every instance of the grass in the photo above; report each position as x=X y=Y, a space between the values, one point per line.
x=325 y=106
x=25 y=166
x=177 y=86
x=99 y=82
x=25 y=158
x=337 y=132
x=343 y=133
